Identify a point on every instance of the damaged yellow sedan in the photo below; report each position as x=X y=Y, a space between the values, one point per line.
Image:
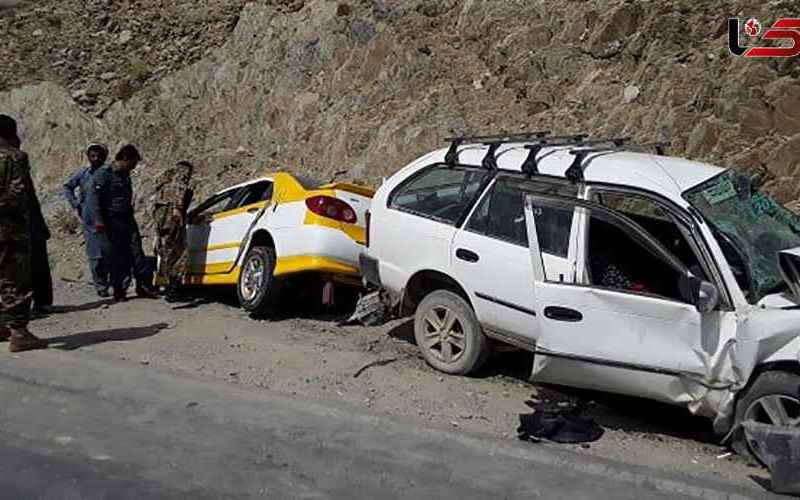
x=255 y=234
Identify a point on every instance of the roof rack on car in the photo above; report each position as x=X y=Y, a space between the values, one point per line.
x=531 y=165
x=575 y=171
x=490 y=160
x=451 y=158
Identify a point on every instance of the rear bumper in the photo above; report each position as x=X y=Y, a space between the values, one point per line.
x=369 y=270
x=312 y=263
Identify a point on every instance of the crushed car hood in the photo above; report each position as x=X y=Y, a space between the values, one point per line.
x=789 y=263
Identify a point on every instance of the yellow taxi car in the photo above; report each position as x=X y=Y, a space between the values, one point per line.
x=254 y=234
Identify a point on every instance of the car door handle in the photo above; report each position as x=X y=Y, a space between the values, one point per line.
x=562 y=314
x=467 y=255
x=253 y=210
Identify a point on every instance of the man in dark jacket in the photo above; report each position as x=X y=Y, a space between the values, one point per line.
x=116 y=223
x=83 y=182
x=16 y=195
x=40 y=262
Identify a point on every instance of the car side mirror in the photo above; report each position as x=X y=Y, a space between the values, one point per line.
x=703 y=294
x=707 y=297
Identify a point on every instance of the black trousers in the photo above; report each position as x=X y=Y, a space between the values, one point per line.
x=118 y=254
x=123 y=253
x=42 y=279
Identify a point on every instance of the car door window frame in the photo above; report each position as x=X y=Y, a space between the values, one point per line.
x=245 y=191
x=687 y=223
x=634 y=230
x=198 y=212
x=528 y=185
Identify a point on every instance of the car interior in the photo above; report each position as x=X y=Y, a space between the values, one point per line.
x=617 y=260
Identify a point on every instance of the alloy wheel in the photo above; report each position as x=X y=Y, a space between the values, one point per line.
x=775 y=409
x=252 y=279
x=444 y=334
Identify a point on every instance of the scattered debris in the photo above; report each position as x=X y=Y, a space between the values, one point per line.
x=370 y=311
x=380 y=362
x=192 y=404
x=724 y=455
x=779 y=449
x=558 y=424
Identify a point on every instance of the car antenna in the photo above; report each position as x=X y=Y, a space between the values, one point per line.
x=575 y=171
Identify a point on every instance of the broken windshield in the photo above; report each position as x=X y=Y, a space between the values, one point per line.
x=752 y=229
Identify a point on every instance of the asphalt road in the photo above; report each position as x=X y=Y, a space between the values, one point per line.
x=77 y=426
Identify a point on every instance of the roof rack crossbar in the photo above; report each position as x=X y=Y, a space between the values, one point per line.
x=531 y=165
x=658 y=147
x=486 y=139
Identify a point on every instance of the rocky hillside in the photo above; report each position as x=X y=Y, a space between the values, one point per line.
x=354 y=90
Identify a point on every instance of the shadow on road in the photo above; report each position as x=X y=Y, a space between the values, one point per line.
x=81 y=307
x=72 y=342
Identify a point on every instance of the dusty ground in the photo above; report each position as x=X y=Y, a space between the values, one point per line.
x=315 y=358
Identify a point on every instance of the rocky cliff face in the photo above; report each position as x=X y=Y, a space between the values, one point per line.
x=354 y=90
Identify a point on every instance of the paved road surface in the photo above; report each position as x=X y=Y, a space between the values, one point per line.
x=77 y=426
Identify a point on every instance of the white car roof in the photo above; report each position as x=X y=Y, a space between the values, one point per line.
x=665 y=175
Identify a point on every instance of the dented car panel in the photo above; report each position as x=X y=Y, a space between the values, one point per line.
x=719 y=307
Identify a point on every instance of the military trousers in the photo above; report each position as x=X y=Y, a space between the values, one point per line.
x=15 y=284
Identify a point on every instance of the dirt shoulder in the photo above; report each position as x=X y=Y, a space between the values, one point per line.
x=315 y=358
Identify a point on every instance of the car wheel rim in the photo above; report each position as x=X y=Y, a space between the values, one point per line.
x=252 y=279
x=444 y=335
x=775 y=409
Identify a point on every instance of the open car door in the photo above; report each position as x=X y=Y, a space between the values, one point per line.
x=219 y=226
x=623 y=325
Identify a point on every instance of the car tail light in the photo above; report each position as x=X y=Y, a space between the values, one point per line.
x=368 y=216
x=332 y=208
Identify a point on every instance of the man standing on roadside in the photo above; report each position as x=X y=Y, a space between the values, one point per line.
x=83 y=204
x=115 y=220
x=16 y=193
x=172 y=199
x=40 y=261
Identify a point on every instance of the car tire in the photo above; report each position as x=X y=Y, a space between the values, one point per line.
x=449 y=335
x=758 y=402
x=257 y=288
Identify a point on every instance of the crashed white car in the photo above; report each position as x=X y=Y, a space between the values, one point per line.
x=622 y=269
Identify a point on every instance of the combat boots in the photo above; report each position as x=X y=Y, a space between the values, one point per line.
x=173 y=293
x=146 y=291
x=23 y=340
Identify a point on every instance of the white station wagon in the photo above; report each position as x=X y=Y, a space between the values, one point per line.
x=622 y=270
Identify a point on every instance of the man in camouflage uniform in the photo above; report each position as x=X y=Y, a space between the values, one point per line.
x=16 y=195
x=172 y=199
